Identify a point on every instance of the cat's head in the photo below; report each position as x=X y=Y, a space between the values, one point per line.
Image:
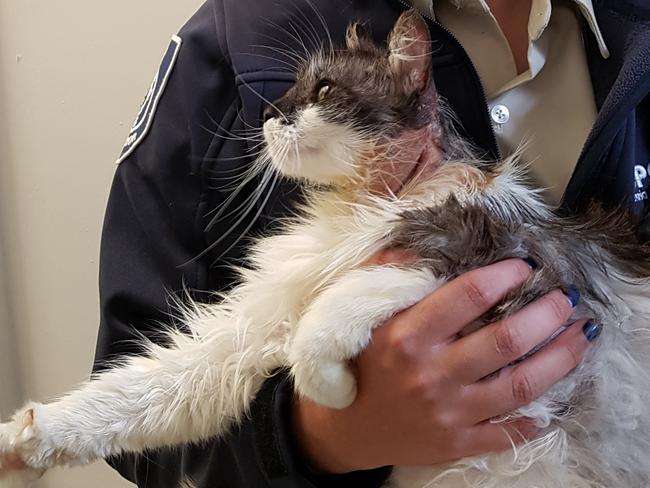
x=365 y=112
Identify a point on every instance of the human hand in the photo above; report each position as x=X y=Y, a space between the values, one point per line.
x=425 y=395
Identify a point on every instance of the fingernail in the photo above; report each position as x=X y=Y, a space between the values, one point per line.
x=592 y=330
x=532 y=264
x=573 y=295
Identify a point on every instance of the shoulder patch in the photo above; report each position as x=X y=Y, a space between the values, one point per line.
x=144 y=119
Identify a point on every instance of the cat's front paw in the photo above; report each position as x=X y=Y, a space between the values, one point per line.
x=327 y=383
x=17 y=443
x=338 y=325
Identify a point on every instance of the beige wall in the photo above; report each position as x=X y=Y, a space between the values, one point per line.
x=72 y=75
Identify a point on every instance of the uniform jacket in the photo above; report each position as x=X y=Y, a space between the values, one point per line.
x=159 y=232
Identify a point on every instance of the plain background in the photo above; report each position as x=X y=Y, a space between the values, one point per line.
x=72 y=76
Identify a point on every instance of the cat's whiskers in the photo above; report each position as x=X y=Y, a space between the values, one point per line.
x=293 y=35
x=234 y=137
x=252 y=156
x=231 y=182
x=260 y=166
x=221 y=209
x=262 y=193
x=289 y=67
x=231 y=136
x=286 y=52
x=322 y=21
x=250 y=127
x=308 y=28
x=264 y=99
x=255 y=151
x=285 y=44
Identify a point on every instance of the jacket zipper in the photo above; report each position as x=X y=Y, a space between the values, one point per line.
x=477 y=79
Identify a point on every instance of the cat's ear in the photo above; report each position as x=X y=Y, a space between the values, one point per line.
x=357 y=38
x=410 y=51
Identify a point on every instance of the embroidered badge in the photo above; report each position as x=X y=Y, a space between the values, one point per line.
x=144 y=119
x=641 y=174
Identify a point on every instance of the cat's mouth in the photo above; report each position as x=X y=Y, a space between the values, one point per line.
x=311 y=148
x=326 y=153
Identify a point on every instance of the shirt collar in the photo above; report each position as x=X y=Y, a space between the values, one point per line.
x=539 y=18
x=587 y=9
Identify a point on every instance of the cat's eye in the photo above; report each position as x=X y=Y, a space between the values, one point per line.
x=323 y=89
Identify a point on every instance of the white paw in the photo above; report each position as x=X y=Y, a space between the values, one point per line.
x=17 y=442
x=328 y=383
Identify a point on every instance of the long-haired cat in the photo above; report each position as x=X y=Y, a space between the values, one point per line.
x=364 y=127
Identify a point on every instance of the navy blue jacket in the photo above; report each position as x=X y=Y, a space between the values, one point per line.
x=159 y=232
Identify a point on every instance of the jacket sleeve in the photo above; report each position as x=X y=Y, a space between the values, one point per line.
x=153 y=233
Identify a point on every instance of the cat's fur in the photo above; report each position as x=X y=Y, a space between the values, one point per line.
x=308 y=302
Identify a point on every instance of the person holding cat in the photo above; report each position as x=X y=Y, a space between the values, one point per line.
x=572 y=75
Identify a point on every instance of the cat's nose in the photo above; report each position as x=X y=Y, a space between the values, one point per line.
x=272 y=112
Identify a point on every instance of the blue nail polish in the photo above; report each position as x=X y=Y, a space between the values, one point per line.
x=573 y=295
x=531 y=263
x=592 y=330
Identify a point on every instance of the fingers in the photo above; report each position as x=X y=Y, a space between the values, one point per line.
x=519 y=385
x=504 y=341
x=466 y=298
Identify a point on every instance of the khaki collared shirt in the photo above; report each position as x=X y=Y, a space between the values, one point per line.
x=550 y=107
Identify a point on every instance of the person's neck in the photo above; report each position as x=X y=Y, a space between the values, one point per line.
x=512 y=16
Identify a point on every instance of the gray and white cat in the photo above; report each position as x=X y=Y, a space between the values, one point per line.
x=363 y=125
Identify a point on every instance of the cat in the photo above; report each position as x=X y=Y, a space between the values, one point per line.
x=365 y=131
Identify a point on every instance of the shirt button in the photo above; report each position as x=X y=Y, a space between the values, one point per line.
x=500 y=114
